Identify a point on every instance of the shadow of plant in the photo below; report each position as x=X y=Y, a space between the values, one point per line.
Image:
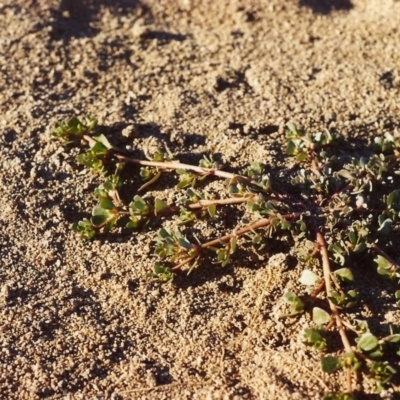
x=326 y=6
x=74 y=18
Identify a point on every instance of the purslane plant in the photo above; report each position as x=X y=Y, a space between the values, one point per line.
x=336 y=205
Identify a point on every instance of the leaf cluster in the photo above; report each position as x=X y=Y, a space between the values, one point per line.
x=336 y=206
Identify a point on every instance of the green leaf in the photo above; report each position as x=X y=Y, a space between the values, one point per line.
x=85 y=229
x=382 y=271
x=345 y=174
x=161 y=273
x=212 y=209
x=320 y=316
x=139 y=203
x=393 y=338
x=163 y=233
x=359 y=248
x=385 y=226
x=309 y=278
x=184 y=183
x=313 y=337
x=331 y=364
x=382 y=262
x=292 y=127
x=302 y=156
x=103 y=140
x=291 y=148
x=106 y=204
x=98 y=220
x=135 y=222
x=185 y=243
x=392 y=197
x=99 y=211
x=344 y=274
x=294 y=301
x=352 y=237
x=368 y=342
x=232 y=245
x=159 y=206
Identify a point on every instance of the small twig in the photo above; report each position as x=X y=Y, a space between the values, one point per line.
x=150 y=182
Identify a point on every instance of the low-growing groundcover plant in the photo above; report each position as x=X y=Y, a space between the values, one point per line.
x=340 y=208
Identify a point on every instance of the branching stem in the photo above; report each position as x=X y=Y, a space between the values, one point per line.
x=265 y=222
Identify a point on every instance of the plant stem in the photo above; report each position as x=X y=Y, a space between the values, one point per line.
x=328 y=286
x=256 y=225
x=204 y=203
x=281 y=194
x=178 y=165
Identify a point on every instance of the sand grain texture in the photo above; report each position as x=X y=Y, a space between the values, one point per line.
x=79 y=320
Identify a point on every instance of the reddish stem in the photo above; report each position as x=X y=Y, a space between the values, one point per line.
x=256 y=225
x=328 y=285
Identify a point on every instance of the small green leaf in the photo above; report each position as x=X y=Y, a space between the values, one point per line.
x=320 y=316
x=393 y=196
x=159 y=206
x=212 y=210
x=382 y=262
x=98 y=220
x=134 y=222
x=344 y=274
x=359 y=248
x=352 y=237
x=85 y=229
x=302 y=156
x=161 y=273
x=106 y=204
x=184 y=183
x=309 y=278
x=163 y=233
x=103 y=140
x=313 y=337
x=382 y=271
x=345 y=174
x=385 y=227
x=100 y=211
x=292 y=127
x=393 y=338
x=331 y=364
x=291 y=148
x=294 y=301
x=368 y=342
x=185 y=243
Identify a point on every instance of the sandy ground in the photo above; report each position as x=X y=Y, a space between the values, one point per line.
x=79 y=320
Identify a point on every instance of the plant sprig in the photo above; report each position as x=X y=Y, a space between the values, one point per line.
x=337 y=206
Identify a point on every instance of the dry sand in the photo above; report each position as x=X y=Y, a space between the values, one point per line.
x=79 y=320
